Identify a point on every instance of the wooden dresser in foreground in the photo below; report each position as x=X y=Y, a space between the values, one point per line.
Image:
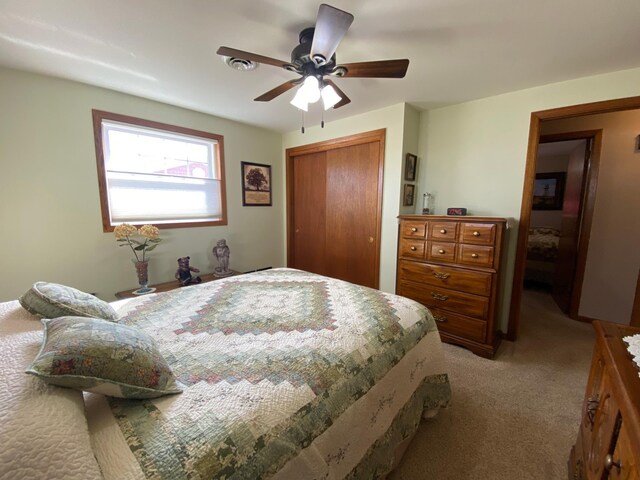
x=452 y=266
x=608 y=444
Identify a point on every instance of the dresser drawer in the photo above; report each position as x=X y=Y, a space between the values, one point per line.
x=467 y=281
x=624 y=456
x=444 y=231
x=450 y=300
x=442 y=252
x=476 y=255
x=478 y=233
x=414 y=229
x=455 y=324
x=412 y=248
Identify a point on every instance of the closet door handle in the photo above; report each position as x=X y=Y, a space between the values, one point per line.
x=474 y=255
x=413 y=249
x=443 y=231
x=476 y=234
x=441 y=251
x=414 y=229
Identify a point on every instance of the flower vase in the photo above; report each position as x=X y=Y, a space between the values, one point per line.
x=142 y=270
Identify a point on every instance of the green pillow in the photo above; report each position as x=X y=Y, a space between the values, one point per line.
x=102 y=357
x=51 y=300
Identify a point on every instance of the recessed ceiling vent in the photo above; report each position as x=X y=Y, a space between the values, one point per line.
x=240 y=64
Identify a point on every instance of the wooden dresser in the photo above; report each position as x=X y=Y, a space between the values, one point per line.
x=452 y=265
x=608 y=444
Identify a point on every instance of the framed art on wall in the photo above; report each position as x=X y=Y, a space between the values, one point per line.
x=548 y=191
x=410 y=166
x=256 y=184
x=408 y=195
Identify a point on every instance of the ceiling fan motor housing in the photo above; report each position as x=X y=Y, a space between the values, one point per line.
x=301 y=54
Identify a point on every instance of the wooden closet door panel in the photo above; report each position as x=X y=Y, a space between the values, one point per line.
x=310 y=180
x=352 y=213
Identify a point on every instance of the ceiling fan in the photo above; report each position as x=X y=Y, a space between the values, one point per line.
x=314 y=59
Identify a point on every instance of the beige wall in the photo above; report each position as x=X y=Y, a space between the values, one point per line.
x=473 y=154
x=410 y=141
x=49 y=206
x=391 y=119
x=613 y=258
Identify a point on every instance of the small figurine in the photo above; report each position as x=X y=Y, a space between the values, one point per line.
x=221 y=252
x=183 y=274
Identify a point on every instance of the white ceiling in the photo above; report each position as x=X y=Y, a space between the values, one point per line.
x=459 y=49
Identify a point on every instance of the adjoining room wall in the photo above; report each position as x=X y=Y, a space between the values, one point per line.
x=613 y=258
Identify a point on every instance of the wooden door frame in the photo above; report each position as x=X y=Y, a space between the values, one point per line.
x=607 y=106
x=588 y=200
x=335 y=143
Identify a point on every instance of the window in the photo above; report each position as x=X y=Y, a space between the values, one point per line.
x=150 y=172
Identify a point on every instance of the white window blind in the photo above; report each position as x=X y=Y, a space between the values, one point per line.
x=156 y=176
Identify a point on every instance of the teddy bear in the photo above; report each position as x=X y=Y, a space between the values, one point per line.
x=183 y=274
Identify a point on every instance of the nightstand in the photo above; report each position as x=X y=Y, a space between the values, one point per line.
x=172 y=285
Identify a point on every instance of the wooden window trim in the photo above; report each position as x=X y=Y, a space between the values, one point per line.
x=99 y=116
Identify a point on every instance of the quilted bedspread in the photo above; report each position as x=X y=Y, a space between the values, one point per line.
x=272 y=363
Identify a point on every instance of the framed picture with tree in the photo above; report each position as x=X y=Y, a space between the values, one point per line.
x=256 y=184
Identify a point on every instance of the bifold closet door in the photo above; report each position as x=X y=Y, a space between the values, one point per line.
x=309 y=198
x=351 y=213
x=336 y=212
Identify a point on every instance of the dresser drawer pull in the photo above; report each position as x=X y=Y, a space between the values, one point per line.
x=609 y=463
x=441 y=276
x=474 y=255
x=440 y=318
x=592 y=407
x=414 y=229
x=413 y=249
x=441 y=251
x=476 y=233
x=443 y=231
x=439 y=296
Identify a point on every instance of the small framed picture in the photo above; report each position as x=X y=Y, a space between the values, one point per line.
x=410 y=166
x=256 y=184
x=408 y=194
x=548 y=191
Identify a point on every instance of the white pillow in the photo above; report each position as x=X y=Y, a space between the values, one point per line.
x=43 y=429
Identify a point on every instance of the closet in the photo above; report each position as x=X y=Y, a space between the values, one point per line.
x=334 y=207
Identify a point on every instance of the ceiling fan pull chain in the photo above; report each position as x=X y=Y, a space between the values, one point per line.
x=302 y=129
x=322 y=122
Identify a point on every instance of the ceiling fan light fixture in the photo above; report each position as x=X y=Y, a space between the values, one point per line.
x=300 y=100
x=329 y=97
x=311 y=89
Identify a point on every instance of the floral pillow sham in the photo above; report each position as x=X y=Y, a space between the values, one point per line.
x=104 y=357
x=51 y=300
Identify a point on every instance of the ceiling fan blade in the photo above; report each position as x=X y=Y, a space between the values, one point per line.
x=377 y=69
x=331 y=26
x=279 y=90
x=254 y=57
x=344 y=100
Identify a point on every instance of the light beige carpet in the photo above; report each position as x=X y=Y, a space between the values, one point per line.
x=515 y=417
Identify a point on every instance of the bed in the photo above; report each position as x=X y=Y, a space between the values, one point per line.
x=286 y=374
x=542 y=252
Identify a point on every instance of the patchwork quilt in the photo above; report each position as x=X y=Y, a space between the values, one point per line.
x=286 y=374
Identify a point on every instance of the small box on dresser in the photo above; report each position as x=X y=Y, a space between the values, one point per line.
x=452 y=265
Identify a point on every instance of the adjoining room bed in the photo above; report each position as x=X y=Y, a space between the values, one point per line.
x=285 y=374
x=542 y=252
